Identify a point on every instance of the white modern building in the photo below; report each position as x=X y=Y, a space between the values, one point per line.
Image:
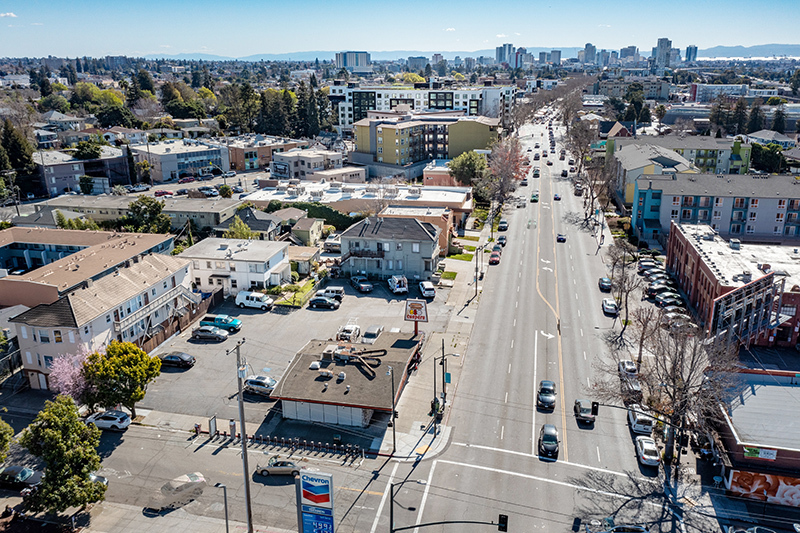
x=173 y=159
x=301 y=164
x=238 y=264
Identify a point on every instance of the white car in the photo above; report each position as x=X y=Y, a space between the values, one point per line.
x=115 y=420
x=263 y=385
x=610 y=307
x=647 y=451
x=230 y=174
x=427 y=289
x=627 y=368
x=278 y=466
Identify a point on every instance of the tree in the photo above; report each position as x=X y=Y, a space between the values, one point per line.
x=644 y=115
x=300 y=116
x=117 y=115
x=120 y=375
x=624 y=278
x=143 y=171
x=738 y=121
x=68 y=448
x=6 y=436
x=779 y=120
x=54 y=102
x=17 y=147
x=468 y=168
x=145 y=215
x=410 y=77
x=145 y=81
x=755 y=120
x=239 y=230
x=767 y=158
x=66 y=373
x=505 y=165
x=225 y=191
x=87 y=150
x=661 y=112
x=86 y=184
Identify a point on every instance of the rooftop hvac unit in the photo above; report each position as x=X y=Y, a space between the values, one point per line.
x=414 y=191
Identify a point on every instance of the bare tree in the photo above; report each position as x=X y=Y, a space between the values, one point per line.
x=646 y=321
x=570 y=105
x=505 y=168
x=624 y=279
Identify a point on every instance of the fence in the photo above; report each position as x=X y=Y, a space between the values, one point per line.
x=179 y=323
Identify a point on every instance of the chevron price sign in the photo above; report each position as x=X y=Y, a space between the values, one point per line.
x=315 y=502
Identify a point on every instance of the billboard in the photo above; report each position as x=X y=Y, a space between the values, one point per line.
x=315 y=502
x=416 y=311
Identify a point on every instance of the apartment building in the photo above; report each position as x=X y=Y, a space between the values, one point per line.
x=653 y=88
x=132 y=304
x=752 y=208
x=254 y=151
x=354 y=102
x=301 y=164
x=60 y=172
x=352 y=60
x=709 y=154
x=765 y=137
x=632 y=161
x=174 y=159
x=704 y=92
x=234 y=265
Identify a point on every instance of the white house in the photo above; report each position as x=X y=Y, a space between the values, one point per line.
x=765 y=137
x=129 y=305
x=239 y=264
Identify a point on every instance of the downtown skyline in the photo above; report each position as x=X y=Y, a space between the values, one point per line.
x=247 y=28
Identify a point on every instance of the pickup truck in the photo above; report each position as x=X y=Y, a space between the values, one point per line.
x=225 y=322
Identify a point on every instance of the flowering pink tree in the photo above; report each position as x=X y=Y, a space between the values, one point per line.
x=66 y=375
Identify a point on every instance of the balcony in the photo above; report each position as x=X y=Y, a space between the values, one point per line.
x=157 y=303
x=373 y=254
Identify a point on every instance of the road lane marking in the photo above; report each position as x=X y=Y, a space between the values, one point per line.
x=502 y=430
x=424 y=496
x=587 y=382
x=509 y=368
x=517 y=288
x=383 y=499
x=512 y=343
x=579 y=312
x=506 y=400
x=515 y=322
x=516 y=304
x=535 y=361
x=584 y=356
x=581 y=332
x=598 y=455
x=576 y=295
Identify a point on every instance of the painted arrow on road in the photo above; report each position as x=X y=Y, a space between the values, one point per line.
x=547 y=268
x=545 y=261
x=548 y=335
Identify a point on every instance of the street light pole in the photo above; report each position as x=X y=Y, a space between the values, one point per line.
x=225 y=500
x=241 y=371
x=390 y=372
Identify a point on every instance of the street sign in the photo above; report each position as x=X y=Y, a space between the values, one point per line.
x=447 y=377
x=315 y=502
x=416 y=311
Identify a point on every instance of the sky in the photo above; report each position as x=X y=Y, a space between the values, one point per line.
x=239 y=28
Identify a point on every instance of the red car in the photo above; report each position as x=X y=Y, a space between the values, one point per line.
x=494 y=259
x=162 y=193
x=185 y=180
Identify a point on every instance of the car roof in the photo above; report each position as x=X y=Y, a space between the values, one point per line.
x=547 y=383
x=549 y=429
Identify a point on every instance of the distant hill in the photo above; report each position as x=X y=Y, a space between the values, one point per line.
x=760 y=50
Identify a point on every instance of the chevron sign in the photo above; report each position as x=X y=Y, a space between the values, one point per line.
x=317 y=490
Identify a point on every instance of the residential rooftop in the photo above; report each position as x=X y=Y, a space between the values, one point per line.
x=679 y=142
x=641 y=155
x=254 y=140
x=235 y=249
x=78 y=202
x=731 y=263
x=176 y=146
x=56 y=157
x=725 y=185
x=414 y=211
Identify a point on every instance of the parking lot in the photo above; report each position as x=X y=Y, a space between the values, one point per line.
x=272 y=339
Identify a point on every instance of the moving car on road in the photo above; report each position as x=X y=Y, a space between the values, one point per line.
x=557 y=197
x=209 y=333
x=548 y=441
x=277 y=466
x=546 y=396
x=561 y=238
x=583 y=411
x=113 y=420
x=535 y=197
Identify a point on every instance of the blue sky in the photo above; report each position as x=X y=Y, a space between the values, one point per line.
x=241 y=28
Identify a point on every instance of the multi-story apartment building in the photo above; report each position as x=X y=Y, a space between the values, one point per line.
x=352 y=60
x=635 y=160
x=703 y=92
x=133 y=304
x=417 y=63
x=710 y=155
x=173 y=159
x=235 y=265
x=60 y=172
x=301 y=164
x=654 y=88
x=408 y=139
x=353 y=103
x=755 y=208
x=253 y=151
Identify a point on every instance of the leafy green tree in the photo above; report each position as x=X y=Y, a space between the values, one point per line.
x=428 y=71
x=5 y=163
x=738 y=123
x=300 y=116
x=6 y=436
x=239 y=230
x=45 y=88
x=644 y=115
x=145 y=215
x=54 y=102
x=779 y=120
x=17 y=147
x=468 y=168
x=313 y=113
x=225 y=191
x=145 y=81
x=86 y=184
x=120 y=375
x=794 y=82
x=755 y=121
x=775 y=100
x=767 y=158
x=69 y=450
x=661 y=112
x=143 y=171
x=87 y=150
x=117 y=115
x=719 y=113
x=324 y=109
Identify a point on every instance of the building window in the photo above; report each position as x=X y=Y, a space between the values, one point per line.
x=779 y=217
x=197 y=281
x=717 y=202
x=211 y=281
x=399 y=265
x=57 y=338
x=686 y=214
x=676 y=200
x=751 y=215
x=48 y=361
x=750 y=229
x=399 y=246
x=776 y=230
x=196 y=264
x=673 y=213
x=390 y=264
x=739 y=203
x=703 y=214
x=208 y=265
x=781 y=204
x=44 y=336
x=108 y=319
x=415 y=247
x=234 y=284
x=754 y=203
x=736 y=229
x=788 y=230
x=232 y=267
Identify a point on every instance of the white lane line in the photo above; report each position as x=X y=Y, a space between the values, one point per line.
x=548 y=480
x=581 y=332
x=425 y=495
x=509 y=368
x=502 y=430
x=515 y=322
x=520 y=263
x=576 y=296
x=584 y=356
x=517 y=288
x=512 y=343
x=506 y=400
x=516 y=304
x=574 y=281
x=579 y=312
x=573 y=268
x=520 y=275
x=383 y=499
x=598 y=455
x=587 y=382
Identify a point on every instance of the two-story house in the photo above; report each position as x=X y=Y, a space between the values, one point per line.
x=133 y=304
x=234 y=265
x=382 y=247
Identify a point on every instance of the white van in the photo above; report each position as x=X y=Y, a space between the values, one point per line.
x=253 y=299
x=427 y=289
x=640 y=422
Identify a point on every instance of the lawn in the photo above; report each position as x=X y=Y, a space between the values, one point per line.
x=470 y=238
x=469 y=248
x=449 y=275
x=461 y=257
x=289 y=298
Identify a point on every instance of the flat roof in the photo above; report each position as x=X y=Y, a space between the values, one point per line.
x=171 y=205
x=731 y=263
x=177 y=146
x=56 y=157
x=235 y=249
x=329 y=192
x=64 y=237
x=413 y=211
x=724 y=185
x=763 y=404
x=369 y=386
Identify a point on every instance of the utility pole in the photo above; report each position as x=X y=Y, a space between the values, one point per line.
x=444 y=374
x=241 y=371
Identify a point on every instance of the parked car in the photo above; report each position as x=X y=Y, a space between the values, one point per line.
x=548 y=441
x=361 y=284
x=672 y=301
x=502 y=240
x=665 y=296
x=427 y=289
x=535 y=197
x=524 y=182
x=631 y=390
x=181 y=192
x=186 y=180
x=257 y=300
x=322 y=301
x=332 y=292
x=209 y=333
x=647 y=451
x=583 y=411
x=640 y=421
x=546 y=396
x=610 y=306
x=656 y=288
x=503 y=225
x=349 y=332
x=263 y=385
x=494 y=259
x=627 y=368
x=278 y=466
x=371 y=334
x=18 y=477
x=564 y=173
x=114 y=420
x=604 y=284
x=160 y=193
x=498 y=248
x=177 y=359
x=230 y=174
x=549 y=163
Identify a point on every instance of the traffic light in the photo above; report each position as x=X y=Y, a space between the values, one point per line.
x=502 y=523
x=595 y=408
